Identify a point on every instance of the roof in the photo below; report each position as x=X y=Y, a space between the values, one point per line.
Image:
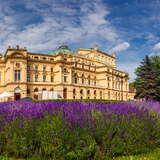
x=91 y=49
x=61 y=49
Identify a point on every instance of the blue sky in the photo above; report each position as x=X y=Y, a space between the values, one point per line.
x=129 y=28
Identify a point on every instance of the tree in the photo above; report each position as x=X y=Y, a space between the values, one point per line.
x=147 y=82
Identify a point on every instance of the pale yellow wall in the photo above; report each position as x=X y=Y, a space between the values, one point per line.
x=112 y=84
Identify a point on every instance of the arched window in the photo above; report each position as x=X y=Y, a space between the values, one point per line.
x=81 y=94
x=36 y=90
x=36 y=96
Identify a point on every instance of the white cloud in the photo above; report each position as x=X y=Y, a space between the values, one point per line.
x=59 y=26
x=155 y=50
x=156 y=46
x=120 y=47
x=129 y=67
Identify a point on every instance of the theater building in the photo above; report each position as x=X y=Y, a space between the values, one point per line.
x=83 y=74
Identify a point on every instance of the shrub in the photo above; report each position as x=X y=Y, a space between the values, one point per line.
x=77 y=130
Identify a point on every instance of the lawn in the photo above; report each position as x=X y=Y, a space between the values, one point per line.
x=154 y=155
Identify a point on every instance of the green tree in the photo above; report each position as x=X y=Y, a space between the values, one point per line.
x=147 y=82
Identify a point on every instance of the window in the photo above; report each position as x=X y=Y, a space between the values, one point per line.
x=74 y=93
x=51 y=69
x=81 y=91
x=65 y=59
x=82 y=78
x=36 y=67
x=88 y=94
x=64 y=70
x=65 y=78
x=28 y=77
x=44 y=68
x=89 y=81
x=65 y=93
x=75 y=78
x=17 y=75
x=36 y=90
x=94 y=94
x=0 y=76
x=100 y=94
x=28 y=91
x=44 y=78
x=94 y=80
x=52 y=78
x=36 y=78
x=17 y=65
x=28 y=67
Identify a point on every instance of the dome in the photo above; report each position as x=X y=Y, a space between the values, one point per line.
x=61 y=49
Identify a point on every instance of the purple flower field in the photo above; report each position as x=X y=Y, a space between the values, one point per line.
x=103 y=129
x=74 y=112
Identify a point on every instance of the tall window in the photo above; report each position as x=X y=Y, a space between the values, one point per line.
x=89 y=81
x=100 y=94
x=36 y=78
x=74 y=93
x=28 y=67
x=28 y=77
x=65 y=93
x=51 y=69
x=52 y=78
x=65 y=78
x=44 y=68
x=75 y=78
x=82 y=78
x=36 y=67
x=94 y=94
x=88 y=94
x=81 y=93
x=44 y=78
x=17 y=75
x=94 y=80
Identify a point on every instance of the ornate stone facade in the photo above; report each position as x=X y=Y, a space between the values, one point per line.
x=84 y=74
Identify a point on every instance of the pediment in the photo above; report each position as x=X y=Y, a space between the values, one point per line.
x=17 y=55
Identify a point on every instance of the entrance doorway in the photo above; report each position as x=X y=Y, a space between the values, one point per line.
x=17 y=94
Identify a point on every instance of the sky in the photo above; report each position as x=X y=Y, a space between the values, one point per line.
x=131 y=28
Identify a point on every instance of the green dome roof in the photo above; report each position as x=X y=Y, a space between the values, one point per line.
x=61 y=49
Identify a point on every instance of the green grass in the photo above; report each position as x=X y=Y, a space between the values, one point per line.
x=154 y=155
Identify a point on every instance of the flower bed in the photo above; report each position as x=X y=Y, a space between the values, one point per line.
x=78 y=130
